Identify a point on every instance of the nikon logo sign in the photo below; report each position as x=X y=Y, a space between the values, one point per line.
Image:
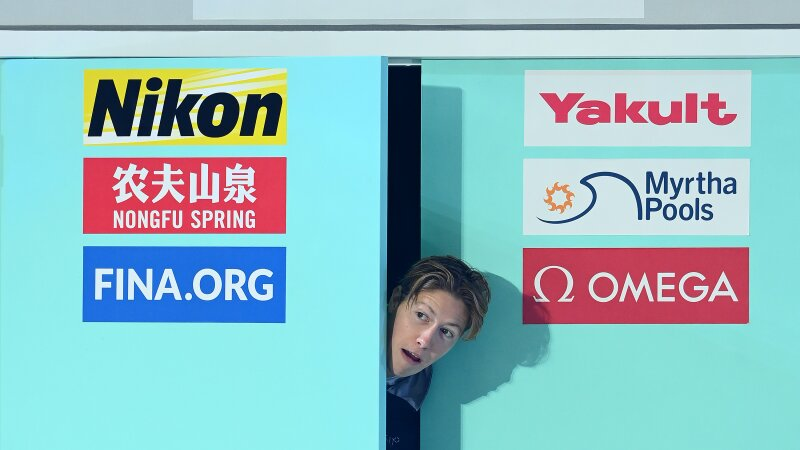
x=184 y=106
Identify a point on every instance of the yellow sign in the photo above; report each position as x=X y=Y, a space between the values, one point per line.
x=184 y=107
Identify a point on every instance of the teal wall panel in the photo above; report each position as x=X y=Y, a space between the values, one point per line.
x=605 y=387
x=315 y=381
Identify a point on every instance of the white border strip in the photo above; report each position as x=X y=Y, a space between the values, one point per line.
x=372 y=10
x=404 y=44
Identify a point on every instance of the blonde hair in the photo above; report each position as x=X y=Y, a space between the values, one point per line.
x=450 y=274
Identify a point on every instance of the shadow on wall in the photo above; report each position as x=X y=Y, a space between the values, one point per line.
x=473 y=369
x=440 y=171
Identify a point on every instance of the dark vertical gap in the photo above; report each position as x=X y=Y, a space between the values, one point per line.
x=403 y=221
x=403 y=226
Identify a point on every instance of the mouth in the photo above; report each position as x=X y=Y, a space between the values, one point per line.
x=412 y=357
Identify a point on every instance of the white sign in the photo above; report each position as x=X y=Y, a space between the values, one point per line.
x=636 y=196
x=380 y=11
x=652 y=108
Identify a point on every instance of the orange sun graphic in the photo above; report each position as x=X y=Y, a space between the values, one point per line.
x=553 y=206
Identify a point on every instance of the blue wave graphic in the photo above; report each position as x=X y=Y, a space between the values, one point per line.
x=585 y=181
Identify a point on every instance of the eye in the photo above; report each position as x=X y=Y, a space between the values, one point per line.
x=421 y=315
x=447 y=333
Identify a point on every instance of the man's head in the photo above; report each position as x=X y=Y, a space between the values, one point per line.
x=440 y=300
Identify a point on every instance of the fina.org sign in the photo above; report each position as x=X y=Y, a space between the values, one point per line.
x=649 y=108
x=184 y=284
x=636 y=196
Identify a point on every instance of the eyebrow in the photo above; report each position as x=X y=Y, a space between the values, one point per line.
x=433 y=313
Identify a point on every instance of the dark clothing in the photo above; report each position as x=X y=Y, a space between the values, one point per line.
x=412 y=389
x=402 y=424
x=404 y=397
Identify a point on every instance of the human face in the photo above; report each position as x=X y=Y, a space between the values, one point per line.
x=424 y=331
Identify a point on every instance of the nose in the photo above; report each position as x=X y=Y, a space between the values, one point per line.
x=425 y=337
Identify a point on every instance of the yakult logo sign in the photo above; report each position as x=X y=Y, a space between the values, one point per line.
x=185 y=106
x=637 y=108
x=636 y=196
x=643 y=285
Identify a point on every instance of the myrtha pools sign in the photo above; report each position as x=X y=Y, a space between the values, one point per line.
x=637 y=108
x=636 y=196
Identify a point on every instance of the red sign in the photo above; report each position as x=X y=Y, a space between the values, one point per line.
x=635 y=285
x=184 y=195
x=592 y=112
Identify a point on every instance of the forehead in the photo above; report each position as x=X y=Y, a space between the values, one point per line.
x=444 y=306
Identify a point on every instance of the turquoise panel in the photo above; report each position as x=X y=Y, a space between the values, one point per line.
x=315 y=381
x=606 y=387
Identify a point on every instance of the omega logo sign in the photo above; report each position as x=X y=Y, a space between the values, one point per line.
x=640 y=290
x=636 y=285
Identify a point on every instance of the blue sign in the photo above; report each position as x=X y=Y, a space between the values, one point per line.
x=184 y=284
